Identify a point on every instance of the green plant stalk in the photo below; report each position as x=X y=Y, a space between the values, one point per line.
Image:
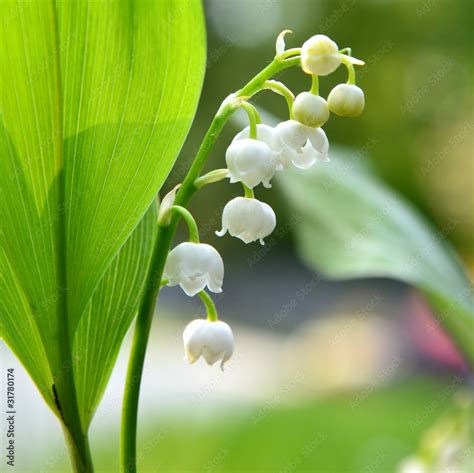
x=351 y=78
x=165 y=234
x=314 y=84
x=209 y=305
x=248 y=193
x=79 y=452
x=253 y=119
x=283 y=90
x=192 y=226
x=64 y=388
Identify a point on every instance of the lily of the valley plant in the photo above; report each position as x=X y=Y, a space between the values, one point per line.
x=96 y=101
x=254 y=156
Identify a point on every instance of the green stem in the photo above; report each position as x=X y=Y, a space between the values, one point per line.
x=254 y=118
x=276 y=66
x=314 y=84
x=189 y=219
x=79 y=452
x=210 y=306
x=128 y=448
x=282 y=89
x=351 y=79
x=162 y=246
x=248 y=192
x=64 y=390
x=290 y=52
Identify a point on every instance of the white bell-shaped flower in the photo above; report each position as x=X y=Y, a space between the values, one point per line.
x=299 y=144
x=247 y=219
x=213 y=340
x=194 y=266
x=310 y=110
x=250 y=161
x=346 y=100
x=320 y=55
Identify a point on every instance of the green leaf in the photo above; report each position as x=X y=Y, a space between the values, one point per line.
x=96 y=99
x=352 y=225
x=131 y=75
x=29 y=198
x=20 y=332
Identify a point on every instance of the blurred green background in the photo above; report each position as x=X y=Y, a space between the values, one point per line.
x=348 y=380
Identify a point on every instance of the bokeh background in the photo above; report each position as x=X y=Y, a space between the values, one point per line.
x=348 y=376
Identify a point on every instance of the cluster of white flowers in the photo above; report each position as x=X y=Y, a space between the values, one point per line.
x=254 y=156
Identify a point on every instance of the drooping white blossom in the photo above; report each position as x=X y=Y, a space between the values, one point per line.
x=213 y=341
x=346 y=100
x=248 y=219
x=310 y=110
x=194 y=266
x=250 y=161
x=320 y=55
x=298 y=144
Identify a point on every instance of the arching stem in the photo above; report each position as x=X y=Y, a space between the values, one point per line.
x=210 y=307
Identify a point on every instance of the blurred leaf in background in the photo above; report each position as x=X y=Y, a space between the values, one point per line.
x=353 y=226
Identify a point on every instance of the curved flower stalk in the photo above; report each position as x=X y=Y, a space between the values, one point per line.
x=254 y=156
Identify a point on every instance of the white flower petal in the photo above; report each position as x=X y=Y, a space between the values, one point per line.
x=250 y=161
x=307 y=158
x=355 y=61
x=319 y=142
x=212 y=340
x=299 y=144
x=193 y=266
x=192 y=347
x=248 y=219
x=280 y=42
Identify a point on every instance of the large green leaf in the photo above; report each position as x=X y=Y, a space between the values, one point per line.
x=131 y=73
x=96 y=99
x=352 y=225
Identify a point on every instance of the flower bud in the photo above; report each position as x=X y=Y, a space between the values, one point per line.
x=346 y=100
x=320 y=55
x=310 y=110
x=213 y=340
x=250 y=161
x=247 y=219
x=193 y=266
